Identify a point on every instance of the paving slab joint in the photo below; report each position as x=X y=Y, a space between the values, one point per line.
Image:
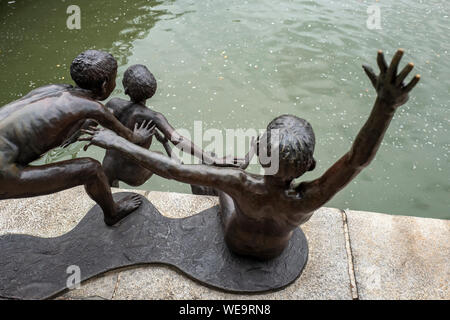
x=348 y=247
x=116 y=286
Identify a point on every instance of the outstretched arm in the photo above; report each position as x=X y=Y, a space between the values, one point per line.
x=392 y=93
x=165 y=142
x=229 y=180
x=186 y=145
x=114 y=107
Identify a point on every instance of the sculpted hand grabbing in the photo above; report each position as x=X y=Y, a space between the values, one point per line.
x=105 y=138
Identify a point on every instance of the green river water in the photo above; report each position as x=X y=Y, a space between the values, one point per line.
x=238 y=64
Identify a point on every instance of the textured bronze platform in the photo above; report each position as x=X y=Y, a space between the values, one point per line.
x=36 y=268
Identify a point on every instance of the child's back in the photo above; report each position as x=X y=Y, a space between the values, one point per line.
x=118 y=167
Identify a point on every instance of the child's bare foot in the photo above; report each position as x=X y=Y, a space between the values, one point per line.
x=124 y=206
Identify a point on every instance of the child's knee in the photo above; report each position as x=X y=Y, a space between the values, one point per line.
x=90 y=167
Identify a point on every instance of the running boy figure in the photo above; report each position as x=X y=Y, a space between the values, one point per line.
x=260 y=212
x=48 y=116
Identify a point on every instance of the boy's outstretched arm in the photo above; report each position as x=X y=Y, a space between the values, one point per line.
x=113 y=107
x=165 y=142
x=229 y=180
x=186 y=145
x=392 y=93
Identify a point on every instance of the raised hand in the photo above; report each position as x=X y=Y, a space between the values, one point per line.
x=143 y=131
x=389 y=85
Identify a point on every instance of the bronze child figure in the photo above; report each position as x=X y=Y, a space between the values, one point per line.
x=260 y=212
x=140 y=84
x=48 y=116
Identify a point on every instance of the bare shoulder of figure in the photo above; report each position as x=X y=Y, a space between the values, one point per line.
x=46 y=90
x=150 y=115
x=116 y=102
x=157 y=116
x=250 y=182
x=50 y=88
x=117 y=105
x=35 y=96
x=83 y=104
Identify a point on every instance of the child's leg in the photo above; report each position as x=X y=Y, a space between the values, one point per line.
x=41 y=180
x=110 y=169
x=120 y=168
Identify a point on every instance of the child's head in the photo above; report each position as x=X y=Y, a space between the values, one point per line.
x=139 y=83
x=295 y=141
x=96 y=71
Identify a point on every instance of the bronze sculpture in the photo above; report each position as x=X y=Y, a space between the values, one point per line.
x=44 y=119
x=140 y=85
x=260 y=213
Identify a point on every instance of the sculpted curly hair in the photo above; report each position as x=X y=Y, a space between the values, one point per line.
x=139 y=83
x=91 y=68
x=295 y=142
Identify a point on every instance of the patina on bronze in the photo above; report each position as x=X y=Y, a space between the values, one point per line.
x=38 y=268
x=260 y=212
x=44 y=119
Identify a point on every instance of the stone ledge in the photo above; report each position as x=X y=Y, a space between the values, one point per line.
x=391 y=257
x=399 y=257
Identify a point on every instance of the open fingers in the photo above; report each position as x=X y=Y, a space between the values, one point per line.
x=404 y=73
x=392 y=70
x=86 y=131
x=142 y=124
x=381 y=61
x=85 y=139
x=371 y=74
x=149 y=124
x=150 y=127
x=87 y=146
x=412 y=84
